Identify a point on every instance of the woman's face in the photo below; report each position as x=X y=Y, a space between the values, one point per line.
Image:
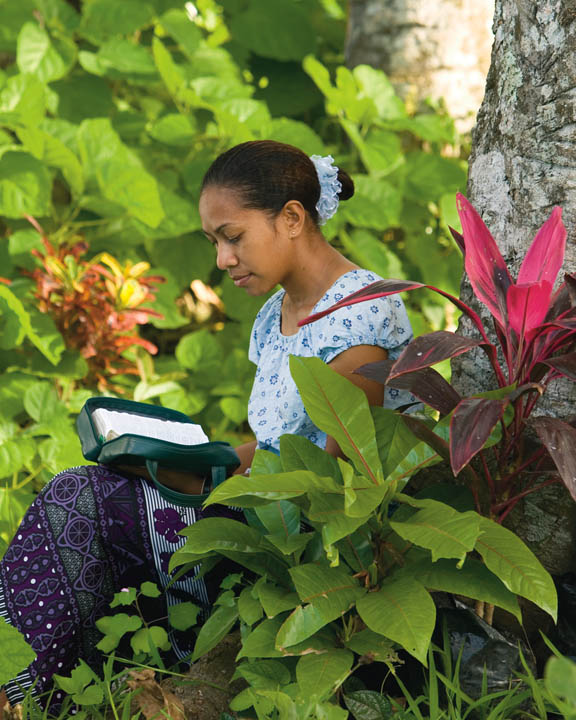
x=250 y=246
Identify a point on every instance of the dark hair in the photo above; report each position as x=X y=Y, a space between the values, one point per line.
x=268 y=174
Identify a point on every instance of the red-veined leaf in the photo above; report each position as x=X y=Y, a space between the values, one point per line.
x=564 y=364
x=458 y=239
x=377 y=371
x=426 y=384
x=528 y=305
x=560 y=441
x=484 y=264
x=429 y=349
x=563 y=299
x=426 y=434
x=546 y=253
x=429 y=386
x=470 y=427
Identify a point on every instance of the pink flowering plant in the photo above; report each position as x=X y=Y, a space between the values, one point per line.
x=534 y=327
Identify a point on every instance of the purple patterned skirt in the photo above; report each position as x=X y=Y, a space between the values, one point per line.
x=91 y=531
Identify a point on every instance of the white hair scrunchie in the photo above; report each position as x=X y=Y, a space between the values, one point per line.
x=330 y=186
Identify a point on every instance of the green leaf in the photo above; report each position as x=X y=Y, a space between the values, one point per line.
x=328 y=594
x=54 y=153
x=114 y=627
x=264 y=674
x=516 y=566
x=16 y=653
x=214 y=629
x=25 y=185
x=198 y=350
x=321 y=675
x=258 y=490
x=299 y=453
x=119 y=57
x=368 y=705
x=281 y=517
x=472 y=580
x=361 y=496
x=375 y=85
x=371 y=253
x=169 y=71
x=150 y=589
x=403 y=611
x=395 y=439
x=274 y=599
x=221 y=534
x=560 y=678
x=259 y=643
x=174 y=129
x=234 y=409
x=124 y=597
x=372 y=645
x=49 y=58
x=281 y=31
x=376 y=204
x=330 y=510
x=177 y=24
x=25 y=96
x=147 y=638
x=439 y=528
x=265 y=463
x=341 y=410
x=249 y=607
x=102 y=19
x=41 y=402
x=117 y=172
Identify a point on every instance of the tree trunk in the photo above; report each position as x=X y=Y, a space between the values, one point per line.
x=523 y=163
x=429 y=49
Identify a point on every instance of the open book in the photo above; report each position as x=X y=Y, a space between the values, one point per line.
x=110 y=424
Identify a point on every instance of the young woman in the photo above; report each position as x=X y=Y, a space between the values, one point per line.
x=96 y=529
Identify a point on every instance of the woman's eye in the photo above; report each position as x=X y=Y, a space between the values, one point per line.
x=233 y=240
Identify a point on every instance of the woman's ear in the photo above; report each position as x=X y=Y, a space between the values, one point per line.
x=293 y=217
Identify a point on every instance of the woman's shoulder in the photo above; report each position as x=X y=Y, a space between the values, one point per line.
x=270 y=310
x=347 y=284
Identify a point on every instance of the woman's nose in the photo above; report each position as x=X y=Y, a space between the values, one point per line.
x=225 y=257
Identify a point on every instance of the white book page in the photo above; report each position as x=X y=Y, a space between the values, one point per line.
x=111 y=423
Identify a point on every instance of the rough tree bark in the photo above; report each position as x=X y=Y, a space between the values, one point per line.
x=429 y=48
x=523 y=163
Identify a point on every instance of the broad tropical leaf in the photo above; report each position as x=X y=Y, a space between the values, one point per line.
x=320 y=675
x=516 y=566
x=439 y=528
x=560 y=441
x=402 y=611
x=546 y=253
x=564 y=365
x=16 y=653
x=472 y=423
x=214 y=629
x=472 y=580
x=430 y=349
x=340 y=409
x=484 y=264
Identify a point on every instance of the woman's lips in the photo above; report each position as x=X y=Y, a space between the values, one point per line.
x=241 y=280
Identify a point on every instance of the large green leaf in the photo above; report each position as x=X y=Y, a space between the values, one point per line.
x=177 y=24
x=329 y=509
x=49 y=58
x=264 y=674
x=54 y=153
x=444 y=531
x=274 y=599
x=260 y=642
x=402 y=611
x=326 y=594
x=340 y=409
x=117 y=172
x=218 y=534
x=395 y=439
x=119 y=57
x=361 y=496
x=214 y=629
x=321 y=675
x=258 y=490
x=25 y=96
x=372 y=645
x=472 y=580
x=299 y=453
x=281 y=517
x=198 y=350
x=15 y=306
x=16 y=653
x=102 y=19
x=376 y=204
x=516 y=566
x=25 y=185
x=281 y=30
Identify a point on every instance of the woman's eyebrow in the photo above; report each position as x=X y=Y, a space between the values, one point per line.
x=217 y=231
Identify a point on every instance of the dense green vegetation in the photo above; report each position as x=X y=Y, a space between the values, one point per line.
x=108 y=119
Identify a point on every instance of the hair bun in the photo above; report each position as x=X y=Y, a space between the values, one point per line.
x=347 y=185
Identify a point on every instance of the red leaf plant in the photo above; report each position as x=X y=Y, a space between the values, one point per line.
x=535 y=330
x=96 y=305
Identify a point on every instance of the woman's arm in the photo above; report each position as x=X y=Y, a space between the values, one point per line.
x=245 y=453
x=345 y=364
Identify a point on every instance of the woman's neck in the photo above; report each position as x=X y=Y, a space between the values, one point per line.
x=314 y=273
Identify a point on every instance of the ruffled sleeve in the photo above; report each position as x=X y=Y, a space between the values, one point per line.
x=382 y=322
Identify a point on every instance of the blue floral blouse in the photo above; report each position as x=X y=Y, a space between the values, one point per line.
x=275 y=407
